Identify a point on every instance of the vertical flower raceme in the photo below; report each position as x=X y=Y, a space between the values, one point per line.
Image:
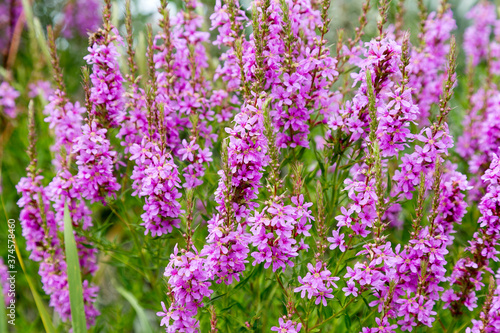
x=135 y=123
x=428 y=61
x=95 y=161
x=92 y=148
x=489 y=318
x=414 y=290
x=436 y=140
x=452 y=204
x=468 y=272
x=40 y=229
x=291 y=62
x=229 y=20
x=225 y=255
x=65 y=119
x=393 y=111
x=184 y=93
x=244 y=161
x=188 y=283
x=481 y=135
x=106 y=92
x=156 y=178
x=275 y=231
x=481 y=124
x=4 y=282
x=477 y=36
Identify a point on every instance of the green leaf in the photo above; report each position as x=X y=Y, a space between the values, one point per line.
x=42 y=311
x=3 y=313
x=74 y=276
x=141 y=314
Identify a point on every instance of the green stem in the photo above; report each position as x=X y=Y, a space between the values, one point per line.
x=286 y=294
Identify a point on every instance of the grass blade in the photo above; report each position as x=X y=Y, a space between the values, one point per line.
x=143 y=319
x=42 y=311
x=74 y=276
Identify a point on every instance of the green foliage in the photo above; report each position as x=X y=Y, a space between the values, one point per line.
x=74 y=276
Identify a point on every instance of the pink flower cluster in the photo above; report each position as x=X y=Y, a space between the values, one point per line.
x=156 y=178
x=106 y=93
x=317 y=283
x=95 y=161
x=468 y=272
x=188 y=284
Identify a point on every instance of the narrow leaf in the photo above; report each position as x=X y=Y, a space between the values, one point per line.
x=74 y=276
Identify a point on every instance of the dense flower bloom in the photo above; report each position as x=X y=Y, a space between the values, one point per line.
x=106 y=93
x=186 y=95
x=248 y=100
x=65 y=119
x=40 y=230
x=95 y=158
x=317 y=283
x=188 y=284
x=275 y=231
x=422 y=160
x=229 y=19
x=468 y=272
x=227 y=247
x=479 y=141
x=135 y=123
x=489 y=318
